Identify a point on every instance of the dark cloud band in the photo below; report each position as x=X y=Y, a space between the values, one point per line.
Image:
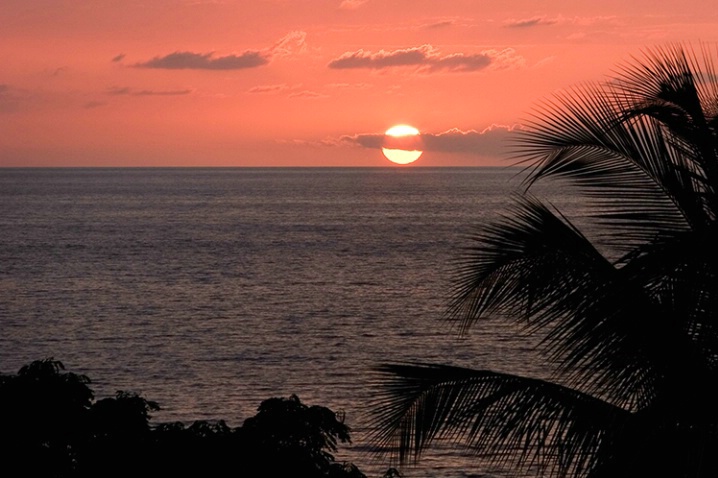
x=187 y=60
x=423 y=58
x=127 y=91
x=184 y=60
x=492 y=141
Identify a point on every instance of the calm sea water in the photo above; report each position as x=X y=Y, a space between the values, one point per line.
x=209 y=290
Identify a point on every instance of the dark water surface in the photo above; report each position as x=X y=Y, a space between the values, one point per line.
x=209 y=290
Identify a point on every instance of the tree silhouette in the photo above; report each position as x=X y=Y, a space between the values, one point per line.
x=289 y=438
x=627 y=314
x=119 y=440
x=50 y=426
x=43 y=417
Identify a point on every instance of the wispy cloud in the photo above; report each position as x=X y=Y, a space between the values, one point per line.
x=492 y=141
x=439 y=24
x=294 y=41
x=425 y=59
x=127 y=91
x=268 y=88
x=352 y=4
x=358 y=86
x=118 y=58
x=530 y=22
x=307 y=94
x=188 y=60
x=544 y=20
x=291 y=91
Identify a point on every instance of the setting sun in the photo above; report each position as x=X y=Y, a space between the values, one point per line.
x=402 y=144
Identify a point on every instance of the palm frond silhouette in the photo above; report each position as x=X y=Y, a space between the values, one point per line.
x=628 y=316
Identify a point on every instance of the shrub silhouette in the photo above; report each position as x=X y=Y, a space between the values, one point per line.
x=119 y=437
x=294 y=439
x=52 y=427
x=44 y=413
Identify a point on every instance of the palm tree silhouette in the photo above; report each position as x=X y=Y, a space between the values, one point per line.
x=628 y=315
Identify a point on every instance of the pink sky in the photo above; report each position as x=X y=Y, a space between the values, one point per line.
x=302 y=83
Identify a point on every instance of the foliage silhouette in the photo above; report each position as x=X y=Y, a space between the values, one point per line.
x=51 y=426
x=627 y=315
x=298 y=437
x=44 y=417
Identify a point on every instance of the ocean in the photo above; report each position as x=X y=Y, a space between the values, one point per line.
x=210 y=290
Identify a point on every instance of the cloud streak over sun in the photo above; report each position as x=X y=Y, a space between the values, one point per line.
x=492 y=141
x=426 y=59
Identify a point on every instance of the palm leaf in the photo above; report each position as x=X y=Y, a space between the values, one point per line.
x=631 y=329
x=538 y=269
x=643 y=146
x=679 y=92
x=606 y=160
x=684 y=284
x=505 y=417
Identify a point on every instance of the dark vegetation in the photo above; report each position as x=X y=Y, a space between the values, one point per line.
x=628 y=314
x=51 y=426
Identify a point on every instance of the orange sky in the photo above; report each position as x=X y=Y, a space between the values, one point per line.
x=302 y=83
